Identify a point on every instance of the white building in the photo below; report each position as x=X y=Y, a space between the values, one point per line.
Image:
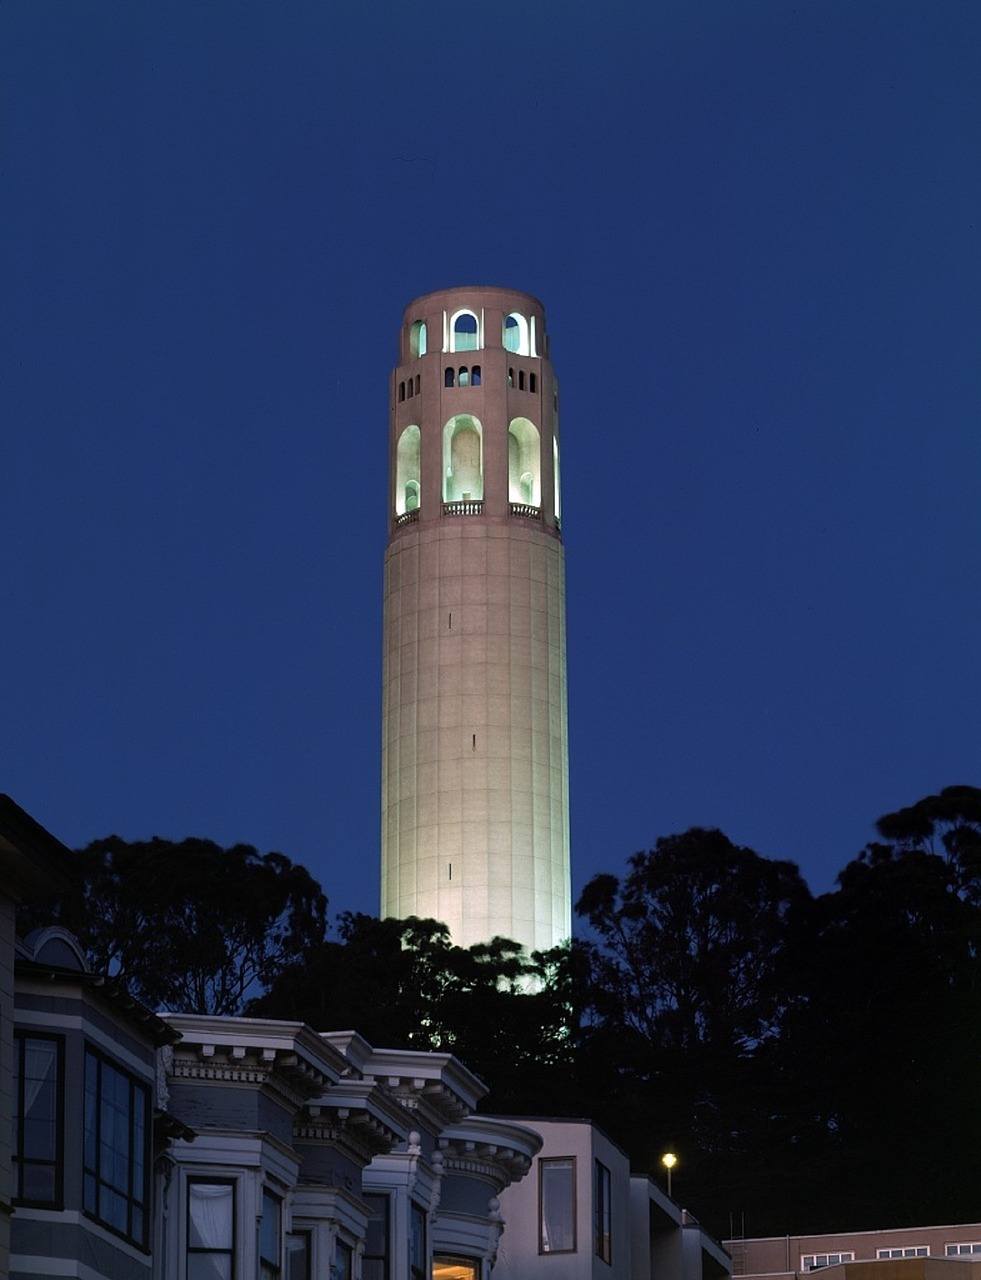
x=588 y=1218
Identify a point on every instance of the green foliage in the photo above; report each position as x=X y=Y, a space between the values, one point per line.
x=402 y=983
x=811 y=1061
x=190 y=926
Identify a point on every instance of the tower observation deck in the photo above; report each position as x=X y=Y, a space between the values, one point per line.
x=475 y=759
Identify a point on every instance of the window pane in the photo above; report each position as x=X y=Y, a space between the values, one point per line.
x=112 y=1208
x=557 y=1225
x=446 y=1268
x=209 y=1266
x=341 y=1269
x=601 y=1210
x=417 y=1243
x=210 y=1210
x=269 y=1230
x=39 y=1139
x=376 y=1240
x=38 y=1182
x=91 y=1107
x=465 y=333
x=298 y=1255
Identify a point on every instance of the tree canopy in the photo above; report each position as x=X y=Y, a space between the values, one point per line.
x=190 y=926
x=811 y=1060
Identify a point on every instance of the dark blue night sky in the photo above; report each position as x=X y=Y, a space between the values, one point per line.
x=755 y=227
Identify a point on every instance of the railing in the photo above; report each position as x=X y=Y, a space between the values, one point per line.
x=526 y=510
x=466 y=508
x=407 y=517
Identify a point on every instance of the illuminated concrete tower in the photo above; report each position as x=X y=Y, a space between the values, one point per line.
x=475 y=759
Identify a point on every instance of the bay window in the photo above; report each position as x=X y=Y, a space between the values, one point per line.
x=116 y=1148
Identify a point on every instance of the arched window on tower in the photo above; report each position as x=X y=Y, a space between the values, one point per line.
x=475 y=376
x=516 y=334
x=463 y=459
x=463 y=377
x=449 y=377
x=418 y=338
x=524 y=463
x=465 y=332
x=407 y=492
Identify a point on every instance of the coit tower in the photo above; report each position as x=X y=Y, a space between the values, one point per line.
x=475 y=759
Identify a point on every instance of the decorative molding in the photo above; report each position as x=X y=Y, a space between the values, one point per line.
x=286 y=1073
x=435 y=1103
x=356 y=1132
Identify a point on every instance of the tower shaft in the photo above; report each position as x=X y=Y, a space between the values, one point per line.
x=475 y=826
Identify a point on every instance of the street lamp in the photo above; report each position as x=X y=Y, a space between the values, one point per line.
x=669 y=1160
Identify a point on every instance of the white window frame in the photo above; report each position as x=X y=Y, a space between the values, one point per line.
x=962 y=1248
x=451 y=330
x=810 y=1261
x=904 y=1251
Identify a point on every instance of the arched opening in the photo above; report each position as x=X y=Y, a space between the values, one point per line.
x=475 y=376
x=449 y=378
x=465 y=331
x=555 y=477
x=411 y=393
x=401 y=391
x=463 y=459
x=532 y=381
x=516 y=334
x=521 y=379
x=418 y=338
x=510 y=377
x=463 y=378
x=418 y=382
x=407 y=491
x=524 y=463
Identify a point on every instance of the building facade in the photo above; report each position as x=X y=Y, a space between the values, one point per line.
x=582 y=1215
x=790 y=1256
x=146 y=1146
x=475 y=806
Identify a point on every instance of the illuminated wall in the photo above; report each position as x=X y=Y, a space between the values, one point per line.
x=475 y=818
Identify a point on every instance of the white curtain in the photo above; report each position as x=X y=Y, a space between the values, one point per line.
x=557 y=1206
x=210 y=1215
x=40 y=1059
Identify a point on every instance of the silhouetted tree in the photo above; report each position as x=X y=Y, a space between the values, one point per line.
x=190 y=926
x=402 y=983
x=884 y=1048
x=692 y=974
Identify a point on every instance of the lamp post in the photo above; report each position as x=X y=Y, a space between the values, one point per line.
x=669 y=1160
